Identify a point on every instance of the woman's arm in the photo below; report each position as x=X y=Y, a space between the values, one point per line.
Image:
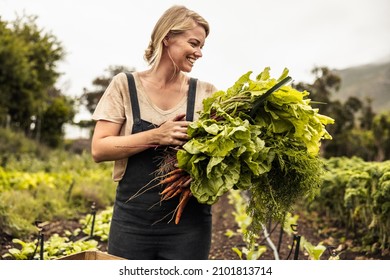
x=107 y=145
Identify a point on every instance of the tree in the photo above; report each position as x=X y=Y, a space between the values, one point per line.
x=28 y=71
x=351 y=132
x=14 y=75
x=325 y=84
x=59 y=111
x=381 y=130
x=28 y=58
x=367 y=116
x=90 y=98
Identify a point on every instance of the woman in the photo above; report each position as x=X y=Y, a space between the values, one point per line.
x=151 y=109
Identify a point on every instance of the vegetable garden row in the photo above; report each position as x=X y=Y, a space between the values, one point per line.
x=354 y=192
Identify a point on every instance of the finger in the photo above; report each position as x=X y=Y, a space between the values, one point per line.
x=178 y=143
x=181 y=129
x=179 y=117
x=183 y=137
x=183 y=124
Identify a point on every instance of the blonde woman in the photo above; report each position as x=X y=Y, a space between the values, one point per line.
x=139 y=112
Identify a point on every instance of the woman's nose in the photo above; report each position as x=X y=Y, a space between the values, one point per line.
x=198 y=53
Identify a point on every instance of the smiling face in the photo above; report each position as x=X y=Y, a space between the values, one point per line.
x=185 y=48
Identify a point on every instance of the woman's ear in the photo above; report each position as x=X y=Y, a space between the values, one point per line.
x=165 y=41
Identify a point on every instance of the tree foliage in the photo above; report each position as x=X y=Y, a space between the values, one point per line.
x=91 y=97
x=381 y=131
x=58 y=112
x=357 y=131
x=28 y=72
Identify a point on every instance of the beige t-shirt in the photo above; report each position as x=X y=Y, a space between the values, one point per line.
x=114 y=106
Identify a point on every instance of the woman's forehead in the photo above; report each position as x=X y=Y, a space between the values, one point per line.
x=197 y=33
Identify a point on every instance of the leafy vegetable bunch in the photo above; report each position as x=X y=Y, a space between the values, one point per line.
x=273 y=152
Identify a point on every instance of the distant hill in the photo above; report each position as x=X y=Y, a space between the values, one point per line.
x=371 y=80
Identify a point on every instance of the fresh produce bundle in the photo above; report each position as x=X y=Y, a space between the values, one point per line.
x=261 y=136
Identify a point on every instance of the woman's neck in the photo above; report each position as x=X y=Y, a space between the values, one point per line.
x=163 y=78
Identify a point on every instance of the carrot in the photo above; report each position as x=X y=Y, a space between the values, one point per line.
x=173 y=194
x=187 y=182
x=175 y=171
x=169 y=194
x=178 y=211
x=184 y=198
x=168 y=189
x=173 y=185
x=170 y=179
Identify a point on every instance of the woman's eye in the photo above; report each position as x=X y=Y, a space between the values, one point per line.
x=196 y=45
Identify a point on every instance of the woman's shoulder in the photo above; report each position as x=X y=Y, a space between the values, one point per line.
x=121 y=80
x=206 y=86
x=205 y=83
x=120 y=77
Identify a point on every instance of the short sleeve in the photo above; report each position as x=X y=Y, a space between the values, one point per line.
x=111 y=106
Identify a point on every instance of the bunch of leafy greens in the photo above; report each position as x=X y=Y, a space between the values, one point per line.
x=273 y=155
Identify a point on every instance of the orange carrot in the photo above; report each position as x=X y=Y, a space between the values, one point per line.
x=175 y=171
x=174 y=185
x=184 y=198
x=168 y=189
x=169 y=194
x=187 y=182
x=173 y=194
x=173 y=190
x=170 y=179
x=167 y=180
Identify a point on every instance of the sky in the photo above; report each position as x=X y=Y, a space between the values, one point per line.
x=246 y=35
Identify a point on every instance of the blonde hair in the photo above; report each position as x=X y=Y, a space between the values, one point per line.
x=175 y=20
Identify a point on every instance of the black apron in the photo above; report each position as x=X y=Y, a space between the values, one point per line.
x=143 y=228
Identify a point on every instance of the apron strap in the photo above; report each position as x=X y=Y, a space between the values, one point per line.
x=134 y=103
x=191 y=100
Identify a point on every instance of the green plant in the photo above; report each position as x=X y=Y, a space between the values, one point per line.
x=62 y=186
x=55 y=247
x=356 y=194
x=265 y=144
x=251 y=250
x=101 y=226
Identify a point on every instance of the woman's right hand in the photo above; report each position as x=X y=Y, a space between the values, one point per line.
x=173 y=132
x=107 y=145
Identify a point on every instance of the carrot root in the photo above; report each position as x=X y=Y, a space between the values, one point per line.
x=183 y=202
